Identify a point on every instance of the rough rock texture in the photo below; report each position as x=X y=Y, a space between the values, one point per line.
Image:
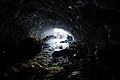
x=93 y=23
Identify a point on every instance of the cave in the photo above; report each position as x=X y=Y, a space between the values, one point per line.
x=59 y=39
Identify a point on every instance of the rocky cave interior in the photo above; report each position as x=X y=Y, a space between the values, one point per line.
x=59 y=39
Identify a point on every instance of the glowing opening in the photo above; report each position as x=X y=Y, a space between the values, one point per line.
x=60 y=39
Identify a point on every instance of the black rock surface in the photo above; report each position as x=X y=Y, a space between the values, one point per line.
x=93 y=23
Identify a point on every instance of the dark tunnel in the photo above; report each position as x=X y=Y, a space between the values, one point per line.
x=59 y=39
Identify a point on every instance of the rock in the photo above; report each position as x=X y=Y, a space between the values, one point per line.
x=28 y=48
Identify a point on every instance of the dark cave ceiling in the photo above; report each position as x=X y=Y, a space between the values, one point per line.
x=25 y=16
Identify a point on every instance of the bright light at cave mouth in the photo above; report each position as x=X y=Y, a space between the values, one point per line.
x=57 y=39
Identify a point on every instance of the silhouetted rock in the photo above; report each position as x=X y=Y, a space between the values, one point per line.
x=27 y=48
x=24 y=50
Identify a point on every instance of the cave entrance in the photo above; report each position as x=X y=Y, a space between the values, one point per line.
x=57 y=39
